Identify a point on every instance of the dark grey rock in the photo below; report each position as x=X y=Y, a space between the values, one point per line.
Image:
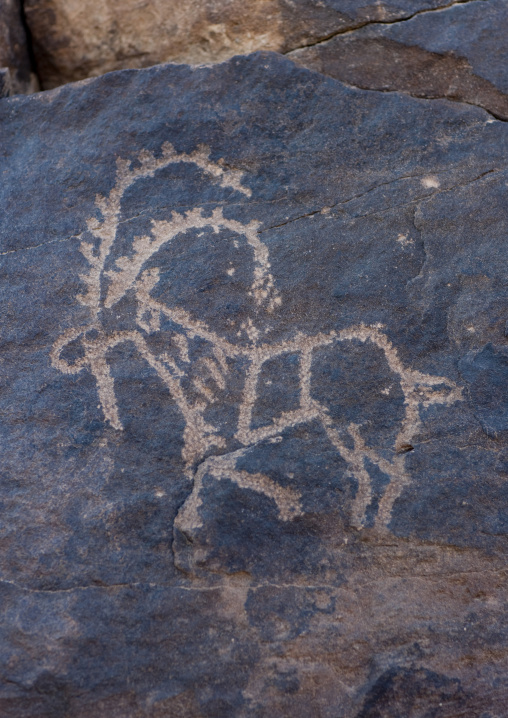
x=458 y=52
x=305 y=23
x=253 y=399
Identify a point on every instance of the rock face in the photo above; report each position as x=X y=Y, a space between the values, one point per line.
x=74 y=40
x=254 y=399
x=14 y=52
x=459 y=53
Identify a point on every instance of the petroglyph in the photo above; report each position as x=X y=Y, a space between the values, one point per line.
x=129 y=277
x=225 y=467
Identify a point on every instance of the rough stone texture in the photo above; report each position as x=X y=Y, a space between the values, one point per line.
x=5 y=82
x=14 y=52
x=459 y=53
x=254 y=399
x=75 y=39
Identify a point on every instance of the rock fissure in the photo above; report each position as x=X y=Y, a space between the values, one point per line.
x=369 y=23
x=322 y=210
x=326 y=209
x=417 y=96
x=42 y=244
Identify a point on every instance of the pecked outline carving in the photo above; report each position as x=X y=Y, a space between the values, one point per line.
x=105 y=288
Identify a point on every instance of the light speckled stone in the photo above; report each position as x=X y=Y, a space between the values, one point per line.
x=74 y=40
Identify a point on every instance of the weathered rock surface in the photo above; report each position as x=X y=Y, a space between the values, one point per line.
x=74 y=40
x=254 y=399
x=14 y=52
x=5 y=82
x=459 y=53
